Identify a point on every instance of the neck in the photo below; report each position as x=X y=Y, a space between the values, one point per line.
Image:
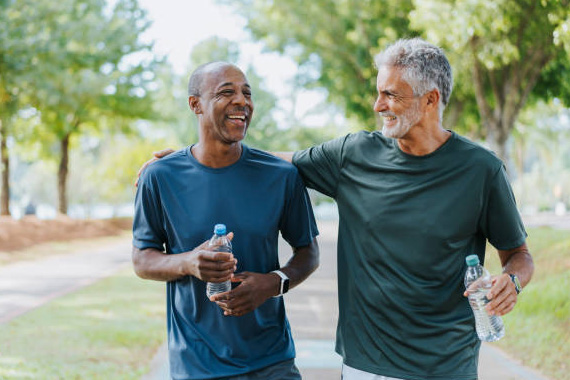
x=423 y=141
x=217 y=154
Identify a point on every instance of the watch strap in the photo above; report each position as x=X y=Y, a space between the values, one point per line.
x=284 y=284
x=516 y=281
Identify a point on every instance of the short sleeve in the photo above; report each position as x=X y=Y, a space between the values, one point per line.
x=320 y=165
x=501 y=222
x=148 y=231
x=297 y=223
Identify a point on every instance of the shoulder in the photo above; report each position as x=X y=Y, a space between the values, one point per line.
x=364 y=139
x=266 y=160
x=476 y=154
x=166 y=165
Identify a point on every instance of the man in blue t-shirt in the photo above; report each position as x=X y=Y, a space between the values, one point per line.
x=244 y=333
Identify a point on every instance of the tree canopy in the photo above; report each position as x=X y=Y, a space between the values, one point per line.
x=504 y=53
x=78 y=70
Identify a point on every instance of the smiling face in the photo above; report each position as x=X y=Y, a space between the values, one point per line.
x=224 y=107
x=396 y=103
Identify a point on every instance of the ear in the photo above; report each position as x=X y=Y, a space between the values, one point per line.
x=433 y=98
x=194 y=103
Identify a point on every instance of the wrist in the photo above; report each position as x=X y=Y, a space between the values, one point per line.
x=283 y=283
x=515 y=280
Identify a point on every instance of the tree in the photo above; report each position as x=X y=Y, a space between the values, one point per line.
x=507 y=47
x=334 y=42
x=504 y=52
x=14 y=58
x=89 y=84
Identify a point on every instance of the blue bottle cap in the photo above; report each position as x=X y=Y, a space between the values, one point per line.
x=472 y=260
x=220 y=229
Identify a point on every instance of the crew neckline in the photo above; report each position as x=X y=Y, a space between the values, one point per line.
x=244 y=150
x=440 y=149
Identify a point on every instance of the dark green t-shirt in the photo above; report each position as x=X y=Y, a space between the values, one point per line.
x=406 y=224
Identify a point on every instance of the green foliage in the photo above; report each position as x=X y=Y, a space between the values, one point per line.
x=499 y=50
x=333 y=41
x=84 y=74
x=83 y=77
x=509 y=49
x=107 y=331
x=537 y=330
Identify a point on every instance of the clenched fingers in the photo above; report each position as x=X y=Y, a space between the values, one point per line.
x=502 y=296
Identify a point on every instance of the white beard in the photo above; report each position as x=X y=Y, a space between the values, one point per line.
x=406 y=120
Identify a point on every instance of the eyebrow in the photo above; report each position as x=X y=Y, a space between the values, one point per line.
x=231 y=84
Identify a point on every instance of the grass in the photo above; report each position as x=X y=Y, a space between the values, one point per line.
x=109 y=330
x=538 y=329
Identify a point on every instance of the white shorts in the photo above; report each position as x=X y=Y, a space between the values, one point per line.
x=349 y=373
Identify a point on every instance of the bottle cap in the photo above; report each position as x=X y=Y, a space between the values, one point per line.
x=220 y=229
x=472 y=260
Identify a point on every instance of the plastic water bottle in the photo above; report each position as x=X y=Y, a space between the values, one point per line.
x=489 y=328
x=219 y=243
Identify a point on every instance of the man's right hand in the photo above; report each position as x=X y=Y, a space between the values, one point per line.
x=210 y=266
x=200 y=262
x=157 y=155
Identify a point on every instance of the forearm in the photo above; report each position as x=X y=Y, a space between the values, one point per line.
x=305 y=260
x=152 y=264
x=518 y=261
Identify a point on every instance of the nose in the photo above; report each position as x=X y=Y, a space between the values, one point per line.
x=380 y=104
x=240 y=99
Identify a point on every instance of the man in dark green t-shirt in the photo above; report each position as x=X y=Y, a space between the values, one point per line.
x=414 y=201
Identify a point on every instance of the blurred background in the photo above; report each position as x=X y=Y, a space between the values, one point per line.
x=90 y=88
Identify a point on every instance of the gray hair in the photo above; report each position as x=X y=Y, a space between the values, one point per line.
x=424 y=67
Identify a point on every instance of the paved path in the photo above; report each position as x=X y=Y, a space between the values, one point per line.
x=312 y=307
x=29 y=284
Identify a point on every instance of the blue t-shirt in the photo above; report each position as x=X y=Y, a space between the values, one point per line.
x=178 y=202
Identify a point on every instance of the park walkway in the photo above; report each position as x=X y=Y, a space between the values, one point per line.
x=29 y=284
x=312 y=307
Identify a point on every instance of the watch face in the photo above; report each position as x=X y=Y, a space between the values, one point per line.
x=285 y=286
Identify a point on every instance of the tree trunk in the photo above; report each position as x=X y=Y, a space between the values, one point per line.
x=5 y=163
x=497 y=139
x=62 y=175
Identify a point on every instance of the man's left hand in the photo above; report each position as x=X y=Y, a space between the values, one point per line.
x=255 y=289
x=502 y=295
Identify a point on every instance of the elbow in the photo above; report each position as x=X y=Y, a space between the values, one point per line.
x=315 y=262
x=139 y=264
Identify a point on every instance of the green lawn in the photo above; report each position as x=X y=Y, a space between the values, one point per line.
x=538 y=329
x=109 y=330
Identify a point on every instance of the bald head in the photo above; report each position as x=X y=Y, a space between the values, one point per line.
x=197 y=78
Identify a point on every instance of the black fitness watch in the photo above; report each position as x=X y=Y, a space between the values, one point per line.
x=284 y=287
x=516 y=281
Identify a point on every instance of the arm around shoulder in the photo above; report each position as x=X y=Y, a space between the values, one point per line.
x=287 y=156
